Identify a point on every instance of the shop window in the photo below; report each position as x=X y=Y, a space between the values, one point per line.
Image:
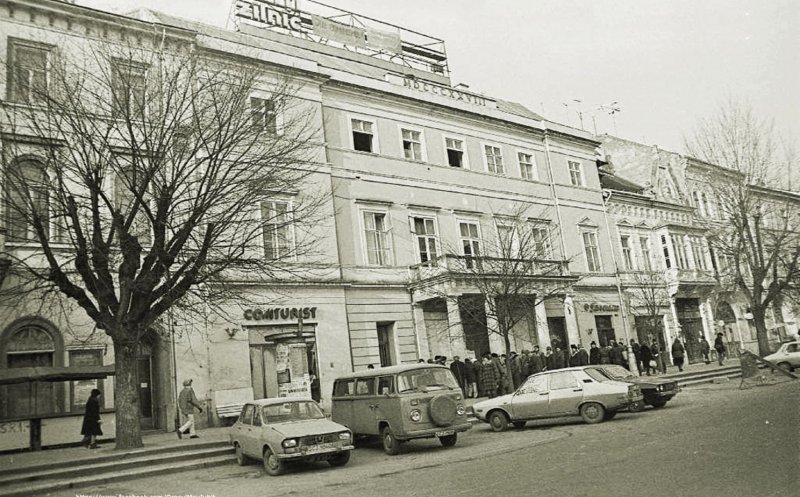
x=386 y=344
x=27 y=200
x=527 y=166
x=575 y=173
x=29 y=71
x=456 y=153
x=363 y=135
x=424 y=228
x=494 y=159
x=413 y=147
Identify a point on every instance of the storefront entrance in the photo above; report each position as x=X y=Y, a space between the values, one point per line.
x=605 y=330
x=691 y=322
x=144 y=366
x=557 y=326
x=283 y=362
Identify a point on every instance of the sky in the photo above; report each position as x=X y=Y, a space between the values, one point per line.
x=666 y=63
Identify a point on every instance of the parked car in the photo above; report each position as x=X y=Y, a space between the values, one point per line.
x=656 y=391
x=563 y=392
x=401 y=403
x=787 y=356
x=281 y=430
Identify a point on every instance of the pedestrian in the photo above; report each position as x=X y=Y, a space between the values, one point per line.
x=187 y=401
x=489 y=377
x=505 y=376
x=536 y=361
x=678 y=352
x=459 y=370
x=478 y=365
x=574 y=360
x=705 y=349
x=637 y=355
x=661 y=364
x=594 y=353
x=471 y=380
x=583 y=356
x=92 y=423
x=558 y=358
x=548 y=359
x=605 y=354
x=615 y=354
x=647 y=358
x=719 y=346
x=516 y=370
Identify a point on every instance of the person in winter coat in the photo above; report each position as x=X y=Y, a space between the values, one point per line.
x=647 y=356
x=548 y=359
x=615 y=355
x=678 y=353
x=705 y=349
x=594 y=353
x=516 y=370
x=489 y=377
x=659 y=357
x=574 y=359
x=187 y=401
x=478 y=366
x=460 y=372
x=536 y=364
x=91 y=420
x=558 y=358
x=719 y=346
x=472 y=386
x=637 y=354
x=605 y=354
x=583 y=356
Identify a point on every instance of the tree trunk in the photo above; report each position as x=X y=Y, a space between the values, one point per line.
x=762 y=334
x=126 y=396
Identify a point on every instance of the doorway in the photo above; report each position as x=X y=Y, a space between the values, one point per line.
x=144 y=369
x=605 y=330
x=557 y=326
x=688 y=311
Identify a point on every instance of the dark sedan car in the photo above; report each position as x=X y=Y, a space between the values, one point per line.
x=657 y=391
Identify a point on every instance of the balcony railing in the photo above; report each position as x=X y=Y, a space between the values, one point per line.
x=482 y=266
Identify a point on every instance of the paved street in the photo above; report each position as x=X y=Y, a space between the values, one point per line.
x=710 y=441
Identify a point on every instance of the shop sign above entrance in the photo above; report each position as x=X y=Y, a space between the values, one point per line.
x=595 y=307
x=285 y=313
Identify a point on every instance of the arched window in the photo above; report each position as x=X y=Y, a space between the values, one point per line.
x=30 y=345
x=27 y=200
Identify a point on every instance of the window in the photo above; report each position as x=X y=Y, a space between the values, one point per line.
x=365 y=386
x=386 y=345
x=247 y=414
x=81 y=389
x=29 y=72
x=509 y=241
x=470 y=241
x=665 y=249
x=376 y=231
x=591 y=251
x=31 y=346
x=697 y=204
x=644 y=244
x=494 y=159
x=343 y=387
x=575 y=173
x=527 y=166
x=456 y=155
x=412 y=144
x=679 y=244
x=708 y=206
x=540 y=234
x=627 y=251
x=563 y=380
x=129 y=192
x=128 y=90
x=363 y=135
x=698 y=253
x=263 y=115
x=27 y=200
x=385 y=384
x=425 y=230
x=276 y=219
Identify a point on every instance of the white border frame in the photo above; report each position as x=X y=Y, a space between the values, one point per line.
x=376 y=148
x=422 y=142
x=484 y=144
x=363 y=234
x=465 y=165
x=533 y=163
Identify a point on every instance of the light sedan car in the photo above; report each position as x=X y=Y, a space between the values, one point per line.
x=282 y=430
x=563 y=392
x=656 y=391
x=787 y=356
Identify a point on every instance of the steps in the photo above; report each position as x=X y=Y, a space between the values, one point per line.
x=687 y=379
x=92 y=471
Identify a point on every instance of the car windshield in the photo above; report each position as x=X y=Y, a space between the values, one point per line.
x=614 y=372
x=291 y=411
x=425 y=380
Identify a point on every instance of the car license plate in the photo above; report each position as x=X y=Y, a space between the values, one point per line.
x=445 y=433
x=320 y=447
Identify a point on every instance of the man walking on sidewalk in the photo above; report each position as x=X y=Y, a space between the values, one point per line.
x=187 y=401
x=719 y=346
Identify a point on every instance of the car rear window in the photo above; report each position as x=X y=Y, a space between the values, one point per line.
x=344 y=388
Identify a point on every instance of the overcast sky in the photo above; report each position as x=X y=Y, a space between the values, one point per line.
x=666 y=62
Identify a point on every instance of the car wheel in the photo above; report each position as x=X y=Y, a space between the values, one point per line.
x=609 y=415
x=272 y=465
x=340 y=459
x=592 y=412
x=498 y=421
x=658 y=404
x=448 y=440
x=519 y=424
x=786 y=366
x=637 y=406
x=390 y=444
x=241 y=459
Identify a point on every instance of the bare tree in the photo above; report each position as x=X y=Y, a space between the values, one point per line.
x=512 y=272
x=648 y=290
x=140 y=178
x=755 y=233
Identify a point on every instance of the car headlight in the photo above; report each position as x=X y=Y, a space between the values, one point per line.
x=289 y=442
x=415 y=415
x=460 y=410
x=345 y=435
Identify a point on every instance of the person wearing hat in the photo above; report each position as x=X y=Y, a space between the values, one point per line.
x=187 y=401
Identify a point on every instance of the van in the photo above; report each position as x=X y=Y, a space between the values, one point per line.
x=401 y=403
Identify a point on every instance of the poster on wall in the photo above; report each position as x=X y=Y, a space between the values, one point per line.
x=81 y=390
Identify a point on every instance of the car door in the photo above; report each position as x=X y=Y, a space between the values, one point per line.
x=793 y=354
x=245 y=429
x=566 y=393
x=532 y=398
x=386 y=403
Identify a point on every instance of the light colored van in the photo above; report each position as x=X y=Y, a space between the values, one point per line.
x=401 y=403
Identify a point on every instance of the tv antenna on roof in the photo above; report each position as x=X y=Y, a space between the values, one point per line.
x=612 y=109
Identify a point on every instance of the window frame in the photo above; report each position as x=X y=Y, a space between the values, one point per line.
x=375 y=142
x=11 y=79
x=116 y=65
x=388 y=236
x=291 y=254
x=464 y=154
x=422 y=149
x=487 y=169
x=628 y=251
x=534 y=176
x=35 y=187
x=580 y=173
x=599 y=261
x=417 y=253
x=543 y=226
x=477 y=240
x=646 y=255
x=277 y=116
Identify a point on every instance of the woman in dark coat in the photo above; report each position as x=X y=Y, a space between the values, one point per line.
x=677 y=353
x=91 y=420
x=647 y=356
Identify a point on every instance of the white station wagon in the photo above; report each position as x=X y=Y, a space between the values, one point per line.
x=277 y=431
x=787 y=356
x=563 y=392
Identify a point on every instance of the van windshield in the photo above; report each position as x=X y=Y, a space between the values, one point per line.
x=424 y=380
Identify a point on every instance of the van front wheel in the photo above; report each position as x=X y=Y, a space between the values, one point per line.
x=390 y=444
x=448 y=440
